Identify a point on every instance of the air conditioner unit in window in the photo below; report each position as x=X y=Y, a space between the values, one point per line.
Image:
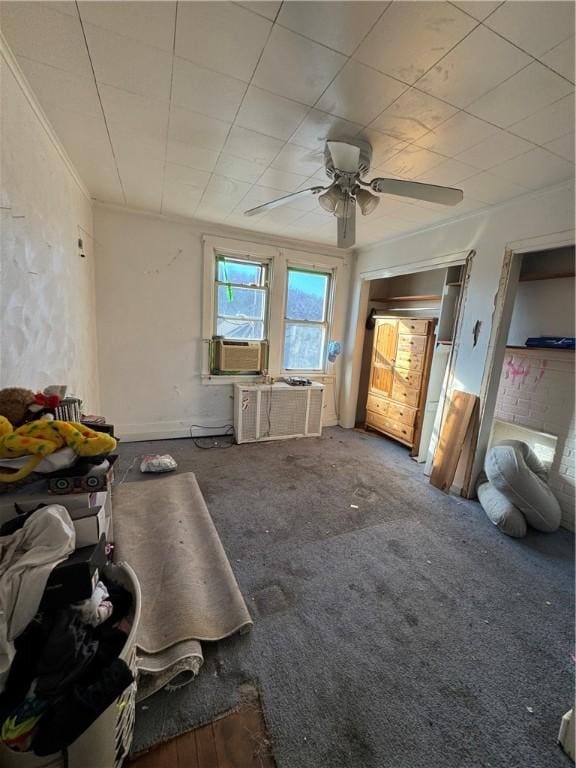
x=231 y=357
x=277 y=411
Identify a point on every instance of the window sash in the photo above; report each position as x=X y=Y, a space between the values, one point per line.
x=323 y=324
x=262 y=288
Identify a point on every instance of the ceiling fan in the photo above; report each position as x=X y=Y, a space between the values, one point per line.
x=346 y=163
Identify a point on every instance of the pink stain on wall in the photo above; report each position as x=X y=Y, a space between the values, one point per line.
x=514 y=371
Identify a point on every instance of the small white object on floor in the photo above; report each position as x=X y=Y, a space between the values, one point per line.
x=158 y=463
x=353 y=506
x=530 y=709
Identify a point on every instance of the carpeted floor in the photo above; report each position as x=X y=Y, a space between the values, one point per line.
x=394 y=626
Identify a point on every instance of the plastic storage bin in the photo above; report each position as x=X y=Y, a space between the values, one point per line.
x=107 y=742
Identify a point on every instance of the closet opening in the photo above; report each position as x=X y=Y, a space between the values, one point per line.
x=409 y=345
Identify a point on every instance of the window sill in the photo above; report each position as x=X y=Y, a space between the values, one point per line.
x=213 y=380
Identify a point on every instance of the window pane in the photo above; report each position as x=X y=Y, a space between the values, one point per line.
x=240 y=302
x=307 y=294
x=251 y=330
x=239 y=272
x=303 y=347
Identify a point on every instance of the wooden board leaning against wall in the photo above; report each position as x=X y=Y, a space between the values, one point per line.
x=400 y=369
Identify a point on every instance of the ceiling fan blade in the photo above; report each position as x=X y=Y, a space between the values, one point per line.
x=429 y=192
x=347 y=229
x=283 y=200
x=345 y=157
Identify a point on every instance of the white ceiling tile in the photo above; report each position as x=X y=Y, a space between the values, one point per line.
x=283 y=216
x=561 y=58
x=319 y=126
x=534 y=26
x=527 y=92
x=204 y=91
x=39 y=33
x=179 y=174
x=288 y=182
x=75 y=93
x=197 y=130
x=296 y=68
x=383 y=146
x=265 y=8
x=180 y=199
x=86 y=141
x=490 y=189
x=457 y=134
x=129 y=64
x=479 y=63
x=200 y=158
x=252 y=146
x=221 y=36
x=411 y=162
x=259 y=195
x=448 y=173
x=62 y=6
x=300 y=160
x=313 y=220
x=131 y=112
x=479 y=9
x=496 y=149
x=412 y=115
x=411 y=36
x=535 y=169
x=224 y=193
x=548 y=124
x=149 y=22
x=141 y=167
x=214 y=210
x=339 y=25
x=564 y=146
x=360 y=93
x=270 y=114
x=238 y=168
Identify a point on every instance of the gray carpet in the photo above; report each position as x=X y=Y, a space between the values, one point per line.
x=404 y=633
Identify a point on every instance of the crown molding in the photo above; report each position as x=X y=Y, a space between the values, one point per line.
x=24 y=86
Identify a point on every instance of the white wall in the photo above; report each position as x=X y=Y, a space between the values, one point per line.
x=149 y=275
x=542 y=308
x=488 y=233
x=47 y=312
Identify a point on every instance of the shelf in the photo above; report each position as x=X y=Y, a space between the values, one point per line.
x=530 y=276
x=426 y=297
x=458 y=283
x=446 y=343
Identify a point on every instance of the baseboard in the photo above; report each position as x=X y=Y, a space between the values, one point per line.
x=171 y=430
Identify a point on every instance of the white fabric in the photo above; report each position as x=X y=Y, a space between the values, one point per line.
x=513 y=468
x=96 y=608
x=61 y=459
x=26 y=559
x=501 y=512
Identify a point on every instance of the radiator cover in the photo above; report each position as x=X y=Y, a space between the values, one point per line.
x=277 y=411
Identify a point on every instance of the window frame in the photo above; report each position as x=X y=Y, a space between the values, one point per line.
x=265 y=265
x=325 y=324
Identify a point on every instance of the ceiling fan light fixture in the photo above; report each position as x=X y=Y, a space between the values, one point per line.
x=366 y=201
x=329 y=200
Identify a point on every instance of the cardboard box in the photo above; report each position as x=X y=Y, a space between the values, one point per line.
x=90 y=525
x=27 y=502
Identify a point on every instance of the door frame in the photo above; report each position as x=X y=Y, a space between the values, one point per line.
x=359 y=309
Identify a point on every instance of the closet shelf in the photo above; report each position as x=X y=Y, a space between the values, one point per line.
x=455 y=282
x=529 y=276
x=424 y=297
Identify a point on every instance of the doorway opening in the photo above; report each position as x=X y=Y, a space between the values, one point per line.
x=408 y=349
x=535 y=391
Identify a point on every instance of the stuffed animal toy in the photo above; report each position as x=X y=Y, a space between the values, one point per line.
x=14 y=404
x=40 y=438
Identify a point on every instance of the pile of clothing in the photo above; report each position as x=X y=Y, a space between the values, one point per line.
x=59 y=661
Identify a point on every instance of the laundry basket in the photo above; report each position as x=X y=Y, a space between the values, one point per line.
x=107 y=742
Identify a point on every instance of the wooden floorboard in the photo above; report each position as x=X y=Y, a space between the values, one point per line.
x=237 y=740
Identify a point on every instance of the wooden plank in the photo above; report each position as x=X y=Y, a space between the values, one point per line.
x=206 y=747
x=187 y=751
x=163 y=756
x=530 y=276
x=424 y=297
x=455 y=426
x=234 y=745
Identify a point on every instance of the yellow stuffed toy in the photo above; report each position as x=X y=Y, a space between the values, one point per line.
x=40 y=438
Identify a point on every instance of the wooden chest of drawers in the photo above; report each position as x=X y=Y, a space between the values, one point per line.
x=401 y=358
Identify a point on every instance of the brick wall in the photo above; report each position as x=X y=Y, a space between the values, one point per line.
x=537 y=391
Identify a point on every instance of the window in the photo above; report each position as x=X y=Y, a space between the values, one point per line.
x=241 y=299
x=306 y=320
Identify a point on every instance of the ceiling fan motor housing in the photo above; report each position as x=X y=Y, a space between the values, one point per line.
x=363 y=163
